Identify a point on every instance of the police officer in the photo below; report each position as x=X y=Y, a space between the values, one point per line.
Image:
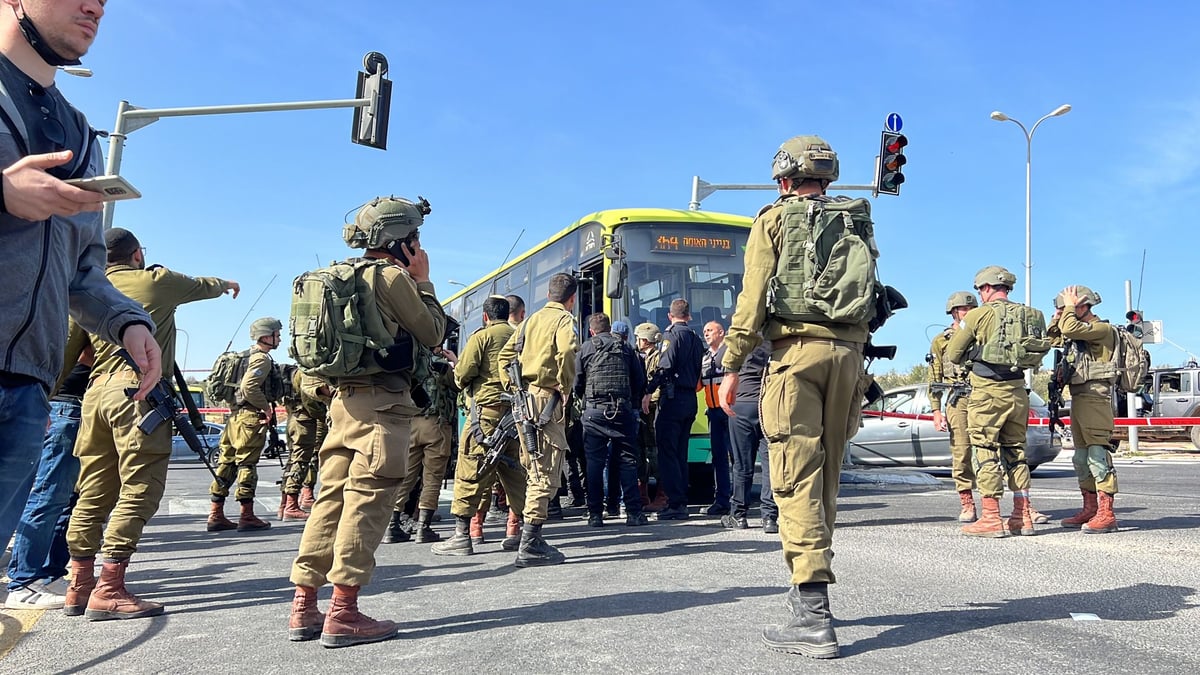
x=711 y=374
x=811 y=397
x=1090 y=344
x=949 y=382
x=998 y=407
x=648 y=336
x=746 y=438
x=306 y=429
x=676 y=379
x=246 y=431
x=365 y=455
x=122 y=470
x=609 y=379
x=545 y=348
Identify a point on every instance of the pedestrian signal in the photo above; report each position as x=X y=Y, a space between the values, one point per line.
x=889 y=174
x=1135 y=327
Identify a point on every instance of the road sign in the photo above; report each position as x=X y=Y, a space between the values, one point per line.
x=894 y=123
x=1152 y=332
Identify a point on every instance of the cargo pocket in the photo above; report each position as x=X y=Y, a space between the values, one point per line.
x=854 y=418
x=390 y=441
x=774 y=408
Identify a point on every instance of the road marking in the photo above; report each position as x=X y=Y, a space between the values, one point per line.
x=1084 y=616
x=14 y=623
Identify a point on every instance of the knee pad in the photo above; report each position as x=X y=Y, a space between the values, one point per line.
x=1098 y=462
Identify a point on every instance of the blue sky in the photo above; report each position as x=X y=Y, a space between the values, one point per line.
x=531 y=115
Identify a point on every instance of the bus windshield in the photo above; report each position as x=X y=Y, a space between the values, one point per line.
x=701 y=263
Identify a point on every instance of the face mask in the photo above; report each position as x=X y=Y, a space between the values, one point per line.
x=39 y=44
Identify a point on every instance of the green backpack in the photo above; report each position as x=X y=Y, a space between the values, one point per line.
x=336 y=327
x=826 y=270
x=1019 y=338
x=225 y=378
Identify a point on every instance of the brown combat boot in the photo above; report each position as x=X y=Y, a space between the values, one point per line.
x=345 y=625
x=83 y=582
x=1089 y=511
x=512 y=533
x=967 y=515
x=643 y=491
x=1020 y=523
x=306 y=620
x=477 y=528
x=1104 y=520
x=307 y=499
x=217 y=522
x=660 y=501
x=111 y=600
x=249 y=522
x=989 y=523
x=291 y=509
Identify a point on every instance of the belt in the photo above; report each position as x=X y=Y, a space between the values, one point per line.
x=785 y=342
x=67 y=398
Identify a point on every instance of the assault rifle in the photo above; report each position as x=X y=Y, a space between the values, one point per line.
x=164 y=407
x=505 y=431
x=957 y=391
x=1059 y=378
x=527 y=426
x=871 y=353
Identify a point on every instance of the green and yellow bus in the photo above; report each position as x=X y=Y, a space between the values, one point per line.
x=631 y=264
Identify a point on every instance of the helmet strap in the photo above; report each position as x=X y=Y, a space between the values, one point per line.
x=35 y=39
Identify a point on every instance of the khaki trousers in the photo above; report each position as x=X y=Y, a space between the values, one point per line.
x=544 y=471
x=427 y=459
x=997 y=420
x=473 y=494
x=242 y=443
x=961 y=468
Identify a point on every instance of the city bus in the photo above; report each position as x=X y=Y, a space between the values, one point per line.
x=631 y=263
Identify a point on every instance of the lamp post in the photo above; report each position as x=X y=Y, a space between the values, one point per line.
x=186 y=344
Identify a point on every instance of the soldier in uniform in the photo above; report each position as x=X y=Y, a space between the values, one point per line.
x=648 y=336
x=997 y=410
x=1090 y=344
x=746 y=437
x=306 y=429
x=122 y=470
x=365 y=455
x=711 y=374
x=675 y=380
x=545 y=348
x=609 y=378
x=811 y=399
x=246 y=430
x=949 y=381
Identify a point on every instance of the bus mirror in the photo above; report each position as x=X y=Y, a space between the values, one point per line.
x=614 y=283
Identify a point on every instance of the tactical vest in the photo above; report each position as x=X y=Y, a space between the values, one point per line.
x=443 y=402
x=607 y=372
x=711 y=376
x=951 y=371
x=826 y=268
x=290 y=378
x=1018 y=337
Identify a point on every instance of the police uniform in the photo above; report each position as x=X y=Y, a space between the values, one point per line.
x=245 y=435
x=676 y=378
x=746 y=439
x=711 y=374
x=609 y=395
x=432 y=432
x=123 y=471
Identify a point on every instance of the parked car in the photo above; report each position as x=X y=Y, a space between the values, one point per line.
x=211 y=438
x=897 y=430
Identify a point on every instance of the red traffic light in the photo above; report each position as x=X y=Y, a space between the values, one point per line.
x=895 y=142
x=1133 y=315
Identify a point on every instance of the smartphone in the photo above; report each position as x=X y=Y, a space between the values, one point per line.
x=113 y=188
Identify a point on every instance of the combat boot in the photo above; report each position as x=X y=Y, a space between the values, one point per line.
x=346 y=626
x=396 y=534
x=477 y=522
x=83 y=582
x=554 y=509
x=512 y=533
x=306 y=620
x=810 y=632
x=1090 y=506
x=659 y=503
x=307 y=499
x=967 y=515
x=644 y=493
x=425 y=533
x=499 y=507
x=534 y=551
x=1020 y=523
x=248 y=522
x=110 y=599
x=292 y=510
x=989 y=523
x=460 y=542
x=217 y=522
x=1104 y=520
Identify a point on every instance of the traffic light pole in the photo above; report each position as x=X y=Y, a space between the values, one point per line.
x=702 y=189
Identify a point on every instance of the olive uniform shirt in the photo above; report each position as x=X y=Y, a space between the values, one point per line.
x=1100 y=337
x=940 y=370
x=252 y=390
x=548 y=356
x=478 y=371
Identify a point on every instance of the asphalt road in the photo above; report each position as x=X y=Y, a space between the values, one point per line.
x=913 y=594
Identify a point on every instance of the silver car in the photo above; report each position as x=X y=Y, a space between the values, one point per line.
x=210 y=438
x=897 y=430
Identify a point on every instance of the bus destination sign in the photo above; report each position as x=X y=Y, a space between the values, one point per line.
x=678 y=242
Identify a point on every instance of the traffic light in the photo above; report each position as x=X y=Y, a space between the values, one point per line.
x=370 y=126
x=889 y=175
x=1135 y=318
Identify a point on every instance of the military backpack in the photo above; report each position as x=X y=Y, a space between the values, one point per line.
x=607 y=372
x=1018 y=339
x=225 y=378
x=1131 y=360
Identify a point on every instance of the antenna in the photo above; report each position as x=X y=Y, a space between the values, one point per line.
x=514 y=245
x=239 y=326
x=1141 y=277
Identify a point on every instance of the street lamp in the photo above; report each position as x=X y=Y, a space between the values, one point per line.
x=456 y=283
x=186 y=344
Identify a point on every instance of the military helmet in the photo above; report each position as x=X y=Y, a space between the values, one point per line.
x=961 y=299
x=995 y=275
x=1086 y=296
x=805 y=157
x=648 y=331
x=384 y=220
x=264 y=327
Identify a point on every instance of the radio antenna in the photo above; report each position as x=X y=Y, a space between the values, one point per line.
x=247 y=314
x=514 y=245
x=1141 y=278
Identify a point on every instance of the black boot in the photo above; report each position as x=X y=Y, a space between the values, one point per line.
x=554 y=509
x=425 y=533
x=460 y=543
x=396 y=534
x=534 y=551
x=810 y=632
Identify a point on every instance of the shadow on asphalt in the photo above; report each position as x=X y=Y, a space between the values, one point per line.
x=1139 y=602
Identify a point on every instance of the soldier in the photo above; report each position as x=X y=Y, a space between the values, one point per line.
x=814 y=385
x=746 y=437
x=711 y=375
x=648 y=336
x=246 y=431
x=609 y=379
x=516 y=310
x=477 y=373
x=544 y=348
x=365 y=455
x=991 y=338
x=1090 y=344
x=949 y=381
x=306 y=429
x=122 y=470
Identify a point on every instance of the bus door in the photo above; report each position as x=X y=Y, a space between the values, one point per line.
x=589 y=298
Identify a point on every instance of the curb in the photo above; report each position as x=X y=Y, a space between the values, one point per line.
x=888 y=478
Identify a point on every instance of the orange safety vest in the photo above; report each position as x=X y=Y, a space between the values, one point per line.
x=711 y=375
